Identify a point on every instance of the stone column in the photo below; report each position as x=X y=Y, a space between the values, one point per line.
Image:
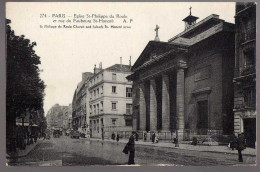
x=180 y=102
x=142 y=108
x=165 y=104
x=153 y=106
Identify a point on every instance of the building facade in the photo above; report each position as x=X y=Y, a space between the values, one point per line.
x=110 y=101
x=80 y=105
x=67 y=117
x=55 y=116
x=184 y=86
x=245 y=72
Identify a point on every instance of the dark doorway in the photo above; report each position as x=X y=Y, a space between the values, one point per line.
x=250 y=131
x=202 y=123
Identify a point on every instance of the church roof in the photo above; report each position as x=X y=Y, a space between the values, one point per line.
x=198 y=26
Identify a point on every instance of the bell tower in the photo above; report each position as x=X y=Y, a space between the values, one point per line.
x=189 y=20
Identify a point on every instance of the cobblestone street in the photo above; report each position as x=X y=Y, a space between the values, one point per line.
x=65 y=151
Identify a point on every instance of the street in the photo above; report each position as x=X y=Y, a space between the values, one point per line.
x=65 y=151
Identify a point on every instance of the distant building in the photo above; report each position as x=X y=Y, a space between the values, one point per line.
x=79 y=105
x=55 y=116
x=67 y=117
x=110 y=100
x=184 y=87
x=245 y=71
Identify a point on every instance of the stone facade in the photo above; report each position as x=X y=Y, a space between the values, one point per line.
x=245 y=72
x=80 y=109
x=183 y=87
x=67 y=117
x=110 y=101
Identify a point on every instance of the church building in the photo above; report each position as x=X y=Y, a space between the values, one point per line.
x=185 y=86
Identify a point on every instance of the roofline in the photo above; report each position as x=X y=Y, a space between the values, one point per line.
x=245 y=9
x=212 y=16
x=156 y=42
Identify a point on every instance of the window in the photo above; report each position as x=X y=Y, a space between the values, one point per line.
x=114 y=76
x=249 y=63
x=98 y=108
x=101 y=92
x=250 y=96
x=128 y=109
x=113 y=89
x=128 y=92
x=94 y=93
x=101 y=108
x=128 y=122
x=94 y=109
x=97 y=92
x=98 y=126
x=113 y=106
x=114 y=121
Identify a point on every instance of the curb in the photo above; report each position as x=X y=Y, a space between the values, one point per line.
x=24 y=154
x=154 y=145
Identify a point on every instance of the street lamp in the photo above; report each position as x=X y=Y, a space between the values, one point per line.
x=177 y=140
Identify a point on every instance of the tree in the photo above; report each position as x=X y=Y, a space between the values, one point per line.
x=25 y=89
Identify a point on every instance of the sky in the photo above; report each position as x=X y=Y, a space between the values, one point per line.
x=67 y=53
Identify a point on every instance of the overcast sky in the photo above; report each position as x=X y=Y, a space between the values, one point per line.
x=66 y=53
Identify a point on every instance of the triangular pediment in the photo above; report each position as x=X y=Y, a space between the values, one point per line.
x=153 y=50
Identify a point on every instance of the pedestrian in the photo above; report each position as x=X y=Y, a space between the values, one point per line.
x=113 y=136
x=156 y=138
x=136 y=136
x=233 y=142
x=241 y=145
x=117 y=137
x=131 y=149
x=153 y=137
x=44 y=135
x=194 y=141
x=145 y=136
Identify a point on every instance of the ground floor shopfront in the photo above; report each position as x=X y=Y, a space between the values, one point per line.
x=103 y=126
x=245 y=122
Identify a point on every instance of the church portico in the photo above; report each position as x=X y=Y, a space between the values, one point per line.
x=157 y=104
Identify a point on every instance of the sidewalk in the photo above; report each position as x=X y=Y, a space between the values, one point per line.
x=202 y=148
x=26 y=151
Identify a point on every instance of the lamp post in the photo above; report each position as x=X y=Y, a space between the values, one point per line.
x=177 y=140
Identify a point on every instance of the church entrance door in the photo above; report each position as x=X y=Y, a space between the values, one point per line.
x=202 y=122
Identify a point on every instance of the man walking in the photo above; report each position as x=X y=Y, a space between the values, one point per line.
x=131 y=149
x=241 y=145
x=117 y=137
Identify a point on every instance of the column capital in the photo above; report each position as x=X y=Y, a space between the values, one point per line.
x=181 y=64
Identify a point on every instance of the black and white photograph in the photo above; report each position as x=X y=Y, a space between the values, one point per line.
x=131 y=84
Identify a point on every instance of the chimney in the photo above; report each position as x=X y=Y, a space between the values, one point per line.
x=96 y=70
x=130 y=62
